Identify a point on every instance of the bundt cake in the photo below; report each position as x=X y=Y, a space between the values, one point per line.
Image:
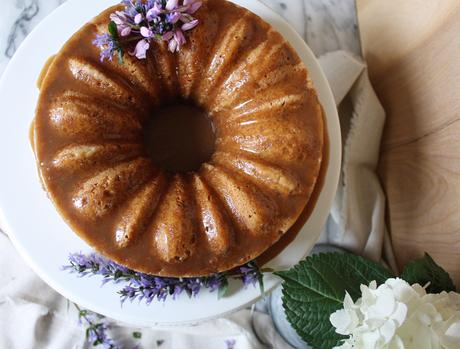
x=236 y=105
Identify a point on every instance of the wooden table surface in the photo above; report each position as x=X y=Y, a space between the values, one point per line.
x=413 y=51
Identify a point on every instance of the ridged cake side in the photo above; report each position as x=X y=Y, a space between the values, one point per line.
x=269 y=145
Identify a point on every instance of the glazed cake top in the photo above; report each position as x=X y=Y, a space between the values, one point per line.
x=269 y=136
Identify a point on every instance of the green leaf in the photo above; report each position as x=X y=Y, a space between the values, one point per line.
x=425 y=270
x=315 y=288
x=113 y=29
x=118 y=274
x=260 y=280
x=223 y=288
x=120 y=56
x=137 y=335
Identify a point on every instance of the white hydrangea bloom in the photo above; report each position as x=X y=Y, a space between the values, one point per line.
x=396 y=315
x=346 y=320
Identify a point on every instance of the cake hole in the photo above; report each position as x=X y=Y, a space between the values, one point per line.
x=179 y=137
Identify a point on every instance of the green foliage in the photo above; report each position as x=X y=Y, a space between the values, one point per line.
x=315 y=288
x=113 y=29
x=423 y=271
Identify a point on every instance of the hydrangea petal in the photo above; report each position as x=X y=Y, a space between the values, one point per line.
x=397 y=343
x=384 y=305
x=396 y=315
x=387 y=331
x=400 y=313
x=450 y=339
x=341 y=320
x=454 y=330
x=370 y=339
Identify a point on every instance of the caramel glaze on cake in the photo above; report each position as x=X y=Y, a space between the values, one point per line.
x=89 y=140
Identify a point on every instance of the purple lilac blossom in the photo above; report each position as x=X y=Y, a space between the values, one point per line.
x=177 y=41
x=193 y=5
x=189 y=25
x=119 y=18
x=138 y=18
x=172 y=4
x=141 y=49
x=96 y=329
x=147 y=21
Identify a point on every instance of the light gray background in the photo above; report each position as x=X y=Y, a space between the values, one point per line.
x=326 y=25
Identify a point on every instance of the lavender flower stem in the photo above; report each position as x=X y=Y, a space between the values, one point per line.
x=96 y=332
x=149 y=287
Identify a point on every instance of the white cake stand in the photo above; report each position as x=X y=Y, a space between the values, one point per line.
x=42 y=237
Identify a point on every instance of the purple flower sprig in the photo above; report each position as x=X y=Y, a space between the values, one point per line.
x=96 y=329
x=230 y=343
x=145 y=287
x=95 y=264
x=143 y=21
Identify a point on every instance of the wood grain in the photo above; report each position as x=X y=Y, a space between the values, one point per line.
x=413 y=51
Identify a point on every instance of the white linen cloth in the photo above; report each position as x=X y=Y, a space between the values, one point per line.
x=32 y=315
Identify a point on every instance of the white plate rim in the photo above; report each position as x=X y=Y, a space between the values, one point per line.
x=142 y=317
